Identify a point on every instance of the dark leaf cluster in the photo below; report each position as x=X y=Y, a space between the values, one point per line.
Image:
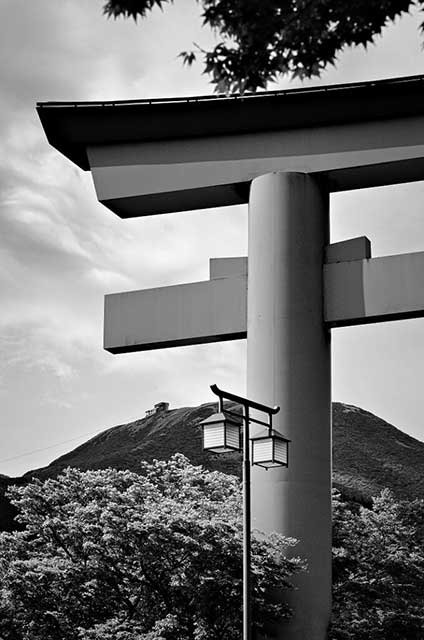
x=378 y=570
x=131 y=8
x=260 y=40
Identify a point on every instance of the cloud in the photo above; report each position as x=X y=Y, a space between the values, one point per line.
x=61 y=251
x=34 y=350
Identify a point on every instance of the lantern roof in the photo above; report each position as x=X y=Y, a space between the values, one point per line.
x=221 y=416
x=270 y=433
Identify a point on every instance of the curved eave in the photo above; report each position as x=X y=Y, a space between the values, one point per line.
x=72 y=127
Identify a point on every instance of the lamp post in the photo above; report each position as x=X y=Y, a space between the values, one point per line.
x=221 y=433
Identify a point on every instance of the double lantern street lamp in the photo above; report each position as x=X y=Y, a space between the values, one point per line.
x=222 y=433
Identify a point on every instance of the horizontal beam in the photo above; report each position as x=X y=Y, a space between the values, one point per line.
x=158 y=156
x=357 y=290
x=186 y=314
x=145 y=178
x=377 y=290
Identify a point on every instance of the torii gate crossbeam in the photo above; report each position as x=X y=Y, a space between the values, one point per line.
x=282 y=152
x=357 y=290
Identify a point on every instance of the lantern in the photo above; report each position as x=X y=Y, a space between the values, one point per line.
x=221 y=433
x=270 y=449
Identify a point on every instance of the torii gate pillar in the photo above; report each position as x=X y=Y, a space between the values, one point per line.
x=158 y=156
x=289 y=364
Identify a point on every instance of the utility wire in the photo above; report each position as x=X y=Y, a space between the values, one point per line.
x=52 y=446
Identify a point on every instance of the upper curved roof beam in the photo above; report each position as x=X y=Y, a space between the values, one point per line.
x=160 y=156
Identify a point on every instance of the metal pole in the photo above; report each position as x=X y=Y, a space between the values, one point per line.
x=247 y=614
x=247 y=518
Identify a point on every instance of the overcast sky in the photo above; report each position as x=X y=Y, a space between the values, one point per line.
x=61 y=251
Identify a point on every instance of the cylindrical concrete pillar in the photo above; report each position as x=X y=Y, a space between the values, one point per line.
x=289 y=364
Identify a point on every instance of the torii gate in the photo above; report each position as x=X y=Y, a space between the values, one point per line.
x=283 y=152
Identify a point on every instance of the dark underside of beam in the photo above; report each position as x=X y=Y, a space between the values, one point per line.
x=177 y=343
x=350 y=322
x=387 y=317
x=238 y=193
x=170 y=202
x=376 y=175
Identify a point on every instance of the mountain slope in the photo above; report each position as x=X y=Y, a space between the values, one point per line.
x=157 y=436
x=369 y=454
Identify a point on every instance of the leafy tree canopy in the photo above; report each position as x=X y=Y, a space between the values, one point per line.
x=259 y=40
x=115 y=555
x=378 y=570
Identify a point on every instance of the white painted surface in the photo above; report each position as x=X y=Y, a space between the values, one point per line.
x=355 y=292
x=174 y=316
x=262 y=451
x=143 y=170
x=288 y=364
x=214 y=436
x=281 y=451
x=377 y=290
x=233 y=436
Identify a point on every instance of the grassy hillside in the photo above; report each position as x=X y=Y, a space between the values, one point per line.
x=157 y=436
x=368 y=453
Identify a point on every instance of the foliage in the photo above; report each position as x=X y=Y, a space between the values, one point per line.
x=378 y=570
x=258 y=40
x=115 y=555
x=150 y=556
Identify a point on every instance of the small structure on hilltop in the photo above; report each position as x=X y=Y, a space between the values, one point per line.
x=160 y=407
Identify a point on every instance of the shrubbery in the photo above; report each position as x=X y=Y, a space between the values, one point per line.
x=115 y=555
x=124 y=556
x=378 y=570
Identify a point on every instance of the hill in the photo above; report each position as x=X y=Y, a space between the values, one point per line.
x=369 y=454
x=157 y=436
